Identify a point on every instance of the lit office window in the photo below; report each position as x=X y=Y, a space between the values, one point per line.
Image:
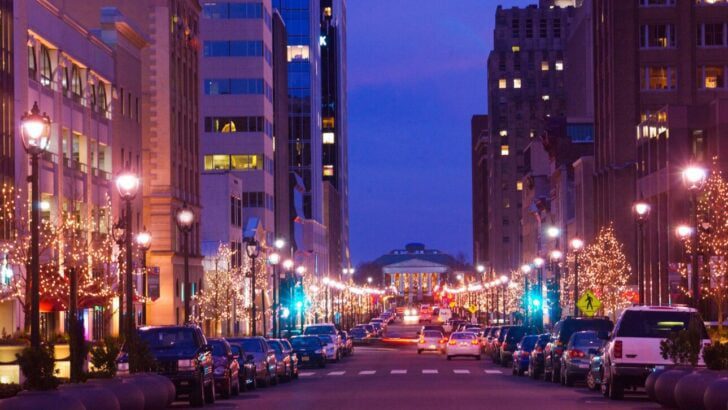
x=502 y=83
x=559 y=65
x=328 y=170
x=217 y=162
x=504 y=150
x=545 y=97
x=328 y=137
x=516 y=83
x=516 y=49
x=298 y=53
x=544 y=65
x=503 y=133
x=519 y=186
x=246 y=162
x=327 y=122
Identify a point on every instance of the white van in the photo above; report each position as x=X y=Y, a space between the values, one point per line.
x=444 y=315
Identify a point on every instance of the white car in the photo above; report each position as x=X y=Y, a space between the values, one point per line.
x=633 y=349
x=430 y=341
x=463 y=344
x=331 y=350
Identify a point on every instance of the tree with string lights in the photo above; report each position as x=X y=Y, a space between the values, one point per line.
x=217 y=299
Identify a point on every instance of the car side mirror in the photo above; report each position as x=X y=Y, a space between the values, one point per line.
x=603 y=335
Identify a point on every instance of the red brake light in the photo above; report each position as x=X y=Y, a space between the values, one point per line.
x=524 y=355
x=443 y=341
x=574 y=353
x=618 y=349
x=539 y=350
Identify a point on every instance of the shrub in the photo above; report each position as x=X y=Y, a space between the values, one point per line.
x=683 y=346
x=103 y=357
x=38 y=366
x=716 y=356
x=8 y=390
x=140 y=358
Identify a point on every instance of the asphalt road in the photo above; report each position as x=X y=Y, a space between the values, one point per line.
x=391 y=377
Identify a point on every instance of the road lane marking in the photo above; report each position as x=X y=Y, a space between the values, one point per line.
x=367 y=372
x=306 y=374
x=461 y=371
x=398 y=371
x=429 y=371
x=341 y=373
x=493 y=372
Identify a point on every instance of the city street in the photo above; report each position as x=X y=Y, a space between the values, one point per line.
x=398 y=378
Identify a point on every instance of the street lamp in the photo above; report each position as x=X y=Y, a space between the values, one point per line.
x=127 y=184
x=288 y=264
x=683 y=232
x=694 y=178
x=641 y=211
x=300 y=271
x=185 y=219
x=279 y=243
x=480 y=268
x=553 y=232
x=35 y=131
x=252 y=249
x=144 y=242
x=576 y=246
x=274 y=259
x=327 y=289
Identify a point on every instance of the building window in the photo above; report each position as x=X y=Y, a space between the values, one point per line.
x=711 y=77
x=529 y=28
x=76 y=84
x=543 y=28
x=235 y=124
x=101 y=99
x=252 y=10
x=516 y=83
x=502 y=83
x=544 y=65
x=327 y=123
x=651 y=3
x=519 y=186
x=515 y=28
x=711 y=2
x=516 y=49
x=298 y=53
x=559 y=65
x=711 y=35
x=46 y=68
x=32 y=67
x=235 y=86
x=545 y=97
x=217 y=162
x=328 y=137
x=246 y=162
x=657 y=36
x=504 y=150
x=557 y=28
x=328 y=170
x=233 y=49
x=503 y=133
x=658 y=78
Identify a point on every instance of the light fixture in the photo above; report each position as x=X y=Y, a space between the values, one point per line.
x=185 y=218
x=274 y=258
x=577 y=244
x=300 y=270
x=144 y=240
x=683 y=231
x=128 y=185
x=504 y=279
x=279 y=243
x=35 y=131
x=641 y=210
x=480 y=268
x=556 y=255
x=538 y=261
x=287 y=264
x=526 y=268
x=694 y=177
x=553 y=232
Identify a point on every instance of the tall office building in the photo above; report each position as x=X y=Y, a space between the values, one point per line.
x=650 y=54
x=7 y=119
x=334 y=124
x=479 y=166
x=282 y=198
x=525 y=88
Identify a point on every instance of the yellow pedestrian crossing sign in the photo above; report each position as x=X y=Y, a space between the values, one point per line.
x=588 y=304
x=472 y=308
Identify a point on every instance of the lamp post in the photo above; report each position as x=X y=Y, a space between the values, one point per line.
x=683 y=233
x=555 y=258
x=35 y=131
x=641 y=211
x=287 y=267
x=526 y=269
x=300 y=271
x=694 y=178
x=144 y=242
x=326 y=281
x=119 y=235
x=185 y=220
x=128 y=185
x=274 y=259
x=538 y=263
x=252 y=249
x=576 y=246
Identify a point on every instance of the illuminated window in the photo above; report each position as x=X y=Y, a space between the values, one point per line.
x=328 y=137
x=657 y=35
x=228 y=127
x=516 y=49
x=328 y=170
x=712 y=76
x=327 y=122
x=504 y=150
x=532 y=133
x=658 y=78
x=216 y=162
x=503 y=133
x=298 y=53
x=46 y=68
x=519 y=186
x=545 y=97
x=246 y=162
x=559 y=65
x=516 y=83
x=544 y=65
x=327 y=11
x=502 y=83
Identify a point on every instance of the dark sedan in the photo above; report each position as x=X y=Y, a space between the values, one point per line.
x=535 y=362
x=309 y=350
x=283 y=360
x=247 y=367
x=263 y=356
x=576 y=358
x=226 y=368
x=522 y=354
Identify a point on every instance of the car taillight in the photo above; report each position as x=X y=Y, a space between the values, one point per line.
x=575 y=353
x=443 y=341
x=475 y=342
x=539 y=350
x=451 y=343
x=524 y=355
x=618 y=349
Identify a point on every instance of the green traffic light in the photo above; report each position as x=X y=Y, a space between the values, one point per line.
x=536 y=303
x=299 y=305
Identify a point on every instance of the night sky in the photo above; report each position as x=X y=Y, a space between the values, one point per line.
x=417 y=73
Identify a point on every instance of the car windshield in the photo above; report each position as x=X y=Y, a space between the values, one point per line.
x=320 y=330
x=432 y=333
x=162 y=338
x=656 y=324
x=462 y=336
x=572 y=326
x=586 y=340
x=528 y=343
x=326 y=339
x=218 y=348
x=252 y=345
x=306 y=343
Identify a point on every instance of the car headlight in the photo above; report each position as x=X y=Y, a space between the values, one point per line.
x=185 y=364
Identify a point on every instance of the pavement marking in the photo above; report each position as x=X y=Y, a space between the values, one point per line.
x=461 y=371
x=429 y=371
x=398 y=371
x=493 y=372
x=306 y=374
x=341 y=373
x=367 y=372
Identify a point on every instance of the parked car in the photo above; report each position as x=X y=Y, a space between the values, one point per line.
x=535 y=362
x=288 y=350
x=323 y=329
x=522 y=354
x=347 y=345
x=596 y=370
x=437 y=328
x=182 y=355
x=575 y=359
x=264 y=358
x=509 y=340
x=496 y=343
x=488 y=342
x=331 y=351
x=462 y=344
x=381 y=321
x=633 y=350
x=358 y=335
x=378 y=329
x=309 y=350
x=246 y=363
x=289 y=333
x=369 y=328
x=560 y=335
x=226 y=368
x=284 y=364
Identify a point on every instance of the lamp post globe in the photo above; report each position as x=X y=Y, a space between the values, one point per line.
x=683 y=232
x=556 y=255
x=538 y=261
x=279 y=243
x=694 y=177
x=127 y=184
x=526 y=268
x=185 y=218
x=641 y=211
x=480 y=268
x=553 y=232
x=300 y=270
x=274 y=258
x=369 y=279
x=144 y=240
x=577 y=244
x=35 y=131
x=287 y=264
x=503 y=279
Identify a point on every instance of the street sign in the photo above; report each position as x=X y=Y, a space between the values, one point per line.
x=472 y=308
x=588 y=304
x=452 y=304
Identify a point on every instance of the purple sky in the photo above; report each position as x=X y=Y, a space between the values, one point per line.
x=417 y=73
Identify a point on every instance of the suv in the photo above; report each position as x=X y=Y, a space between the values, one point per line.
x=513 y=335
x=182 y=355
x=633 y=350
x=560 y=335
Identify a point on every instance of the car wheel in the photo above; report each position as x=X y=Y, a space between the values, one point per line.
x=274 y=379
x=555 y=375
x=591 y=383
x=227 y=389
x=197 y=395
x=210 y=393
x=266 y=381
x=513 y=371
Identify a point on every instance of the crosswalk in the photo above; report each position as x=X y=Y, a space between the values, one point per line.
x=368 y=372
